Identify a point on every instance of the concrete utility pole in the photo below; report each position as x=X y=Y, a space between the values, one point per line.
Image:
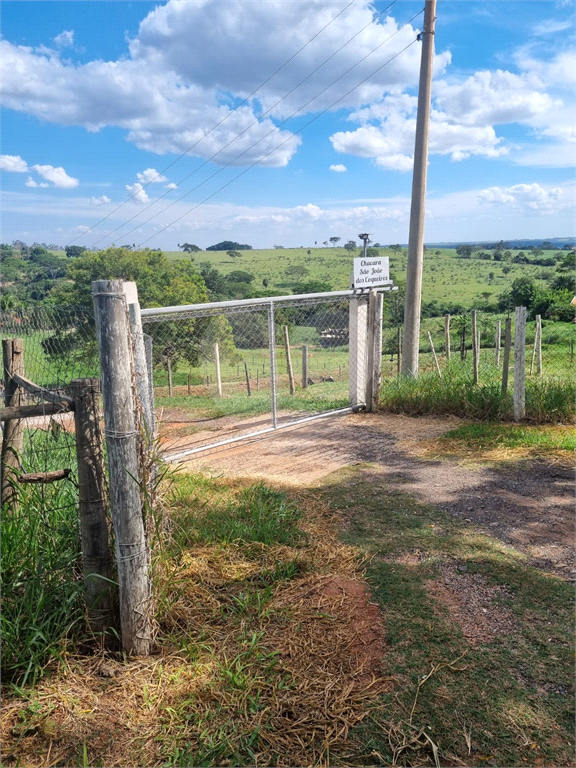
x=418 y=206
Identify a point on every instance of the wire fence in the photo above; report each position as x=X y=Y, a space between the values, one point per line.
x=243 y=366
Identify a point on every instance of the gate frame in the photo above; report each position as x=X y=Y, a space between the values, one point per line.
x=365 y=349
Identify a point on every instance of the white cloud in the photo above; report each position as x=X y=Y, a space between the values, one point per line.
x=138 y=193
x=171 y=185
x=57 y=176
x=551 y=27
x=65 y=39
x=31 y=183
x=13 y=164
x=168 y=95
x=527 y=196
x=338 y=168
x=102 y=200
x=149 y=176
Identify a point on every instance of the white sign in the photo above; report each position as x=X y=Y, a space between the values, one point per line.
x=371 y=272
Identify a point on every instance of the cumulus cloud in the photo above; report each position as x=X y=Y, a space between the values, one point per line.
x=13 y=164
x=31 y=183
x=137 y=193
x=65 y=39
x=102 y=200
x=338 y=168
x=149 y=176
x=534 y=197
x=171 y=185
x=465 y=115
x=169 y=95
x=57 y=176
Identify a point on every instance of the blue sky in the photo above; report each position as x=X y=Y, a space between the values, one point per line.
x=128 y=122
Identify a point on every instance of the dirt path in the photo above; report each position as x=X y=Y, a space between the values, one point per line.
x=529 y=505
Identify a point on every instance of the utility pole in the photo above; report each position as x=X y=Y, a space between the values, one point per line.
x=418 y=205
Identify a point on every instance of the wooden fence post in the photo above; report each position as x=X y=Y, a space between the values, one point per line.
x=506 y=359
x=475 y=350
x=13 y=434
x=304 y=366
x=247 y=380
x=447 y=335
x=218 y=375
x=289 y=360
x=434 y=354
x=169 y=370
x=497 y=343
x=374 y=350
x=463 y=342
x=115 y=350
x=537 y=347
x=520 y=364
x=148 y=349
x=96 y=555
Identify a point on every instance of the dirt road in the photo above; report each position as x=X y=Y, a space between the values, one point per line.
x=529 y=505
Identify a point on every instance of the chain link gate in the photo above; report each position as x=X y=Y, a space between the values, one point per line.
x=227 y=371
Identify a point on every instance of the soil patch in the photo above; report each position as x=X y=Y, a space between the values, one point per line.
x=471 y=604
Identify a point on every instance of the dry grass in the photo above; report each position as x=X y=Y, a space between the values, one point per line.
x=274 y=675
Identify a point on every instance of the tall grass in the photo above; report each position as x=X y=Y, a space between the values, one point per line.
x=42 y=596
x=548 y=399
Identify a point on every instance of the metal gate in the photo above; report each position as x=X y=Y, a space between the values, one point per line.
x=228 y=371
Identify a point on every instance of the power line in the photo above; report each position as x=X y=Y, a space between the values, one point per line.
x=272 y=150
x=236 y=108
x=272 y=131
x=255 y=122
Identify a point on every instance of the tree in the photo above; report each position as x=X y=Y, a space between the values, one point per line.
x=234 y=254
x=372 y=253
x=335 y=240
x=464 y=251
x=396 y=248
x=229 y=245
x=297 y=272
x=238 y=276
x=350 y=246
x=189 y=248
x=314 y=286
x=73 y=251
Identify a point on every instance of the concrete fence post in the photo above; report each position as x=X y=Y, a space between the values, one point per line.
x=358 y=319
x=520 y=364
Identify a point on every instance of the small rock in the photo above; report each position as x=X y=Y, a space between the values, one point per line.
x=106 y=670
x=462 y=568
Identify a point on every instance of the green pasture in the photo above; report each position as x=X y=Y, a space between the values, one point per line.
x=447 y=278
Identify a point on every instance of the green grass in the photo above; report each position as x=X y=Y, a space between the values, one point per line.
x=513 y=694
x=255 y=514
x=491 y=435
x=548 y=399
x=42 y=591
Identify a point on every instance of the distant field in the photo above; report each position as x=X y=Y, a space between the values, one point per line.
x=447 y=278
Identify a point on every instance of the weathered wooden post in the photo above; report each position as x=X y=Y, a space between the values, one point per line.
x=520 y=364
x=506 y=359
x=447 y=335
x=13 y=434
x=96 y=555
x=434 y=354
x=304 y=366
x=115 y=351
x=475 y=350
x=374 y=350
x=289 y=360
x=537 y=347
x=218 y=374
x=247 y=380
x=463 y=342
x=148 y=349
x=497 y=343
x=139 y=352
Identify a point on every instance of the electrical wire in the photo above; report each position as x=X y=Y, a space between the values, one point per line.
x=236 y=108
x=251 y=125
x=151 y=218
x=270 y=152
